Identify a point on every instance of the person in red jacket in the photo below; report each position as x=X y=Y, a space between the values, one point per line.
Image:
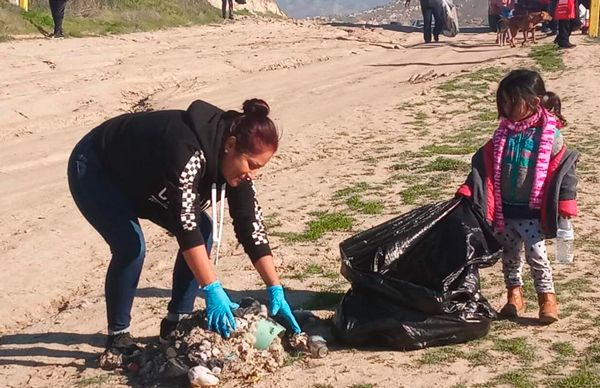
x=523 y=180
x=564 y=14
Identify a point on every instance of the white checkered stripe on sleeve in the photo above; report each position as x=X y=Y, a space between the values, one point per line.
x=186 y=181
x=259 y=234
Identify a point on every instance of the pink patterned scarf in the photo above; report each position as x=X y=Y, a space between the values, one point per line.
x=548 y=123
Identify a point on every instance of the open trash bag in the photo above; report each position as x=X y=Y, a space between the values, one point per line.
x=450 y=18
x=415 y=279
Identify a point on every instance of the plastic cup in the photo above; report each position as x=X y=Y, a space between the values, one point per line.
x=266 y=331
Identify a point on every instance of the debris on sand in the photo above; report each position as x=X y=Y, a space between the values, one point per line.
x=205 y=357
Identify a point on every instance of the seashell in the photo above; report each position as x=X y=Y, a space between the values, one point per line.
x=200 y=376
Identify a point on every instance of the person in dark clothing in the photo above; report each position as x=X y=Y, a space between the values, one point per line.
x=431 y=8
x=224 y=8
x=527 y=6
x=57 y=7
x=168 y=167
x=564 y=14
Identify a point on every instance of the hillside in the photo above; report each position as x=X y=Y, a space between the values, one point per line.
x=265 y=7
x=470 y=13
x=312 y=8
x=101 y=17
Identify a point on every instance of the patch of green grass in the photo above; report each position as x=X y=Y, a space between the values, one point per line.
x=480 y=358
x=582 y=378
x=292 y=359
x=529 y=289
x=272 y=221
x=517 y=379
x=110 y=17
x=473 y=136
x=564 y=349
x=487 y=115
x=358 y=188
x=575 y=286
x=411 y=194
x=459 y=385
x=362 y=385
x=331 y=275
x=12 y=21
x=445 y=355
x=517 y=346
x=366 y=207
x=95 y=381
x=323 y=300
x=548 y=57
x=242 y=12
x=447 y=149
x=584 y=315
x=476 y=82
x=505 y=325
x=420 y=116
x=314 y=269
x=446 y=164
x=593 y=353
x=325 y=222
x=569 y=309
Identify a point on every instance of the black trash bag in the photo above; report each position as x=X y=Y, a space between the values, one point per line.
x=415 y=279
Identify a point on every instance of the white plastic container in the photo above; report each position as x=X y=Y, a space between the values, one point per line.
x=564 y=241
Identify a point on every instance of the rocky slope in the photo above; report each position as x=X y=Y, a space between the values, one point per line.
x=255 y=6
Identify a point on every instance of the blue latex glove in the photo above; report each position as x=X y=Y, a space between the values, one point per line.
x=278 y=304
x=218 y=309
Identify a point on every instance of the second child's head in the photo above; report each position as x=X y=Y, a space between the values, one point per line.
x=521 y=93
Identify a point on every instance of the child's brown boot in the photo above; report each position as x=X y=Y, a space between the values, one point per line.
x=548 y=308
x=515 y=304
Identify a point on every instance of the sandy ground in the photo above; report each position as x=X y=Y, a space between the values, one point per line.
x=342 y=97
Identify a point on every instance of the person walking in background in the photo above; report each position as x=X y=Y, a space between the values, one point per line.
x=431 y=8
x=224 y=8
x=57 y=7
x=524 y=181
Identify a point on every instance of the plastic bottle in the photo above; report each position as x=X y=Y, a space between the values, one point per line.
x=317 y=346
x=564 y=241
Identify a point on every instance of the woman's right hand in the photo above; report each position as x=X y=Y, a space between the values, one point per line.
x=218 y=309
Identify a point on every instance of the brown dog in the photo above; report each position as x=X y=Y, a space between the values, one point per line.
x=525 y=23
x=503 y=36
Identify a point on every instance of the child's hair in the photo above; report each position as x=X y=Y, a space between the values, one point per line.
x=552 y=103
x=525 y=85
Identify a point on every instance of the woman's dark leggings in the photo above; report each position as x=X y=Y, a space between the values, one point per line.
x=111 y=214
x=224 y=4
x=57 y=7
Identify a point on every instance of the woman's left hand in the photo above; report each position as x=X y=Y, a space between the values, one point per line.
x=278 y=304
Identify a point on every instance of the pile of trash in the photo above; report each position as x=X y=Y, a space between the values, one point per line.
x=207 y=359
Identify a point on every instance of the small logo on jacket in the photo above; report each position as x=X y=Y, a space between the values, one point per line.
x=160 y=198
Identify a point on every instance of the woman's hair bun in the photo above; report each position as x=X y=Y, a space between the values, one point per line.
x=256 y=107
